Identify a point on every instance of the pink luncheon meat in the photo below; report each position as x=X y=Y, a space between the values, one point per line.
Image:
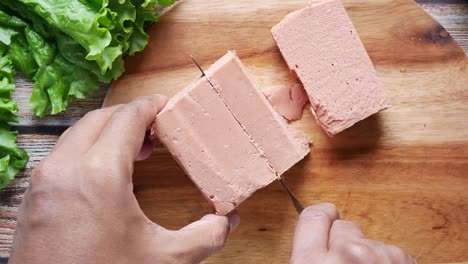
x=321 y=45
x=287 y=101
x=229 y=140
x=282 y=146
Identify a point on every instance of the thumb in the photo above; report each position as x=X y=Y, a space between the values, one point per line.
x=312 y=232
x=206 y=236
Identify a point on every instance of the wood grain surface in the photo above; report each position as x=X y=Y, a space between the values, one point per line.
x=453 y=16
x=400 y=175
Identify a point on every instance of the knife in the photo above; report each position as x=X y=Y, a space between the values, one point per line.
x=295 y=201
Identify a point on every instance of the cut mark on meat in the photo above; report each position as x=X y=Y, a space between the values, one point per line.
x=197 y=102
x=213 y=84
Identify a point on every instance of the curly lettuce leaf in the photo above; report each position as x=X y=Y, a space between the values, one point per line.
x=6 y=34
x=66 y=47
x=59 y=83
x=81 y=22
x=12 y=158
x=20 y=54
x=19 y=11
x=152 y=4
x=58 y=80
x=105 y=29
x=8 y=107
x=139 y=38
x=9 y=27
x=166 y=3
x=75 y=55
x=11 y=21
x=8 y=116
x=8 y=142
x=42 y=51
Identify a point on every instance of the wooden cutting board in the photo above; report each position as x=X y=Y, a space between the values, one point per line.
x=402 y=175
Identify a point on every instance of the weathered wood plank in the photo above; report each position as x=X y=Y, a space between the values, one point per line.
x=454 y=17
x=38 y=146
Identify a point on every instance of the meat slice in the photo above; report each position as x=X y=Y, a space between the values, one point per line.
x=207 y=141
x=282 y=146
x=289 y=102
x=321 y=46
x=229 y=140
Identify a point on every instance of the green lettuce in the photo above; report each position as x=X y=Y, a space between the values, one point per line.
x=21 y=56
x=8 y=107
x=59 y=83
x=58 y=67
x=9 y=27
x=90 y=36
x=17 y=11
x=102 y=27
x=67 y=47
x=78 y=20
x=12 y=158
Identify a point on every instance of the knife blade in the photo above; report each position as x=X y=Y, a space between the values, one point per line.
x=202 y=71
x=294 y=200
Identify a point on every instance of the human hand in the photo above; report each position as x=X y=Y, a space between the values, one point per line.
x=80 y=206
x=321 y=237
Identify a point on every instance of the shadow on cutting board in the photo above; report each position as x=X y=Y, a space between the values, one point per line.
x=362 y=138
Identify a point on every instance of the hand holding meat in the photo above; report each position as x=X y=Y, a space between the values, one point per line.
x=80 y=206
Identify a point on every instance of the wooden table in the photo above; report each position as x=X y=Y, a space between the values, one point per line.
x=39 y=136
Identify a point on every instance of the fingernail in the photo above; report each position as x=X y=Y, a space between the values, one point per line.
x=234 y=221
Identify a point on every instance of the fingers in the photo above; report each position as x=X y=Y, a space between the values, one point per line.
x=348 y=241
x=321 y=236
x=369 y=251
x=397 y=255
x=234 y=221
x=146 y=149
x=312 y=230
x=84 y=133
x=344 y=232
x=124 y=133
x=61 y=138
x=206 y=236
